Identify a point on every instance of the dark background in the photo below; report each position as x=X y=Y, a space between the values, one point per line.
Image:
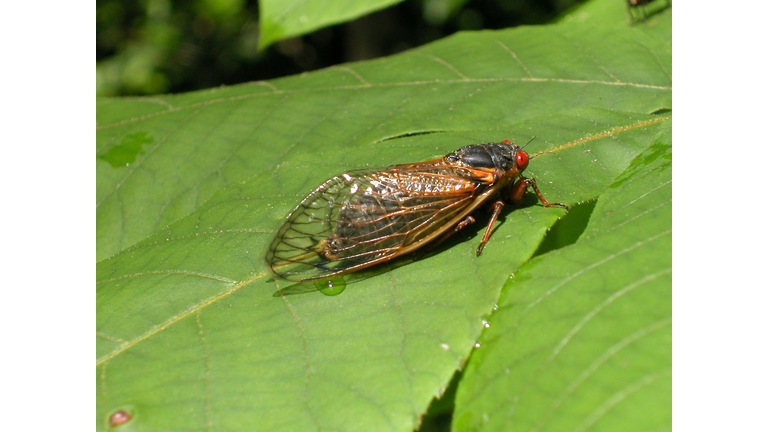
x=172 y=46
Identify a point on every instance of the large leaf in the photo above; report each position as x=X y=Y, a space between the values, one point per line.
x=582 y=338
x=160 y=158
x=280 y=19
x=189 y=332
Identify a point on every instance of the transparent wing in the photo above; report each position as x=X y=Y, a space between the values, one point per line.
x=360 y=218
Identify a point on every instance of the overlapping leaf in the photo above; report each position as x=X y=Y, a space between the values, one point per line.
x=280 y=19
x=177 y=151
x=582 y=337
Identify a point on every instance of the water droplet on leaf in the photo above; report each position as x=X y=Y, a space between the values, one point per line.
x=331 y=287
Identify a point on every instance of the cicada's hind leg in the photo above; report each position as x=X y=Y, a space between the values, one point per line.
x=521 y=186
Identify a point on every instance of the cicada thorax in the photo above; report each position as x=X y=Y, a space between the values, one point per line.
x=501 y=162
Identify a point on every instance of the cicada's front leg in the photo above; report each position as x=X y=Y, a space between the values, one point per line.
x=521 y=186
x=515 y=197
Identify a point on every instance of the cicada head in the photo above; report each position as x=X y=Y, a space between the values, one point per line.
x=519 y=155
x=505 y=156
x=515 y=157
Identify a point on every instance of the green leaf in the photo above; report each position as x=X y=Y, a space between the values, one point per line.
x=582 y=338
x=190 y=335
x=189 y=146
x=281 y=19
x=188 y=322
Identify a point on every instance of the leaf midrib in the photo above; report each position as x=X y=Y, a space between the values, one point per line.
x=181 y=316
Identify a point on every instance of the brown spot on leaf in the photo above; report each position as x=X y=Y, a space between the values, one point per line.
x=118 y=418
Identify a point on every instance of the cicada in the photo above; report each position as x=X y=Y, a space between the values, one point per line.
x=365 y=217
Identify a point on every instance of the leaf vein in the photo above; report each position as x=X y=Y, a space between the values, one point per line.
x=156 y=272
x=206 y=357
x=586 y=269
x=512 y=53
x=384 y=85
x=618 y=397
x=174 y=319
x=605 y=356
x=588 y=317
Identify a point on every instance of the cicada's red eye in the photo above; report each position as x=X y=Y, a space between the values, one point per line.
x=522 y=160
x=506 y=141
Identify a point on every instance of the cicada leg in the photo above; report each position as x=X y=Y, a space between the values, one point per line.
x=515 y=196
x=467 y=220
x=434 y=243
x=522 y=185
x=497 y=206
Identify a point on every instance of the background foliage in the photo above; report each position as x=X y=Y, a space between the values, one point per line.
x=190 y=188
x=161 y=46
